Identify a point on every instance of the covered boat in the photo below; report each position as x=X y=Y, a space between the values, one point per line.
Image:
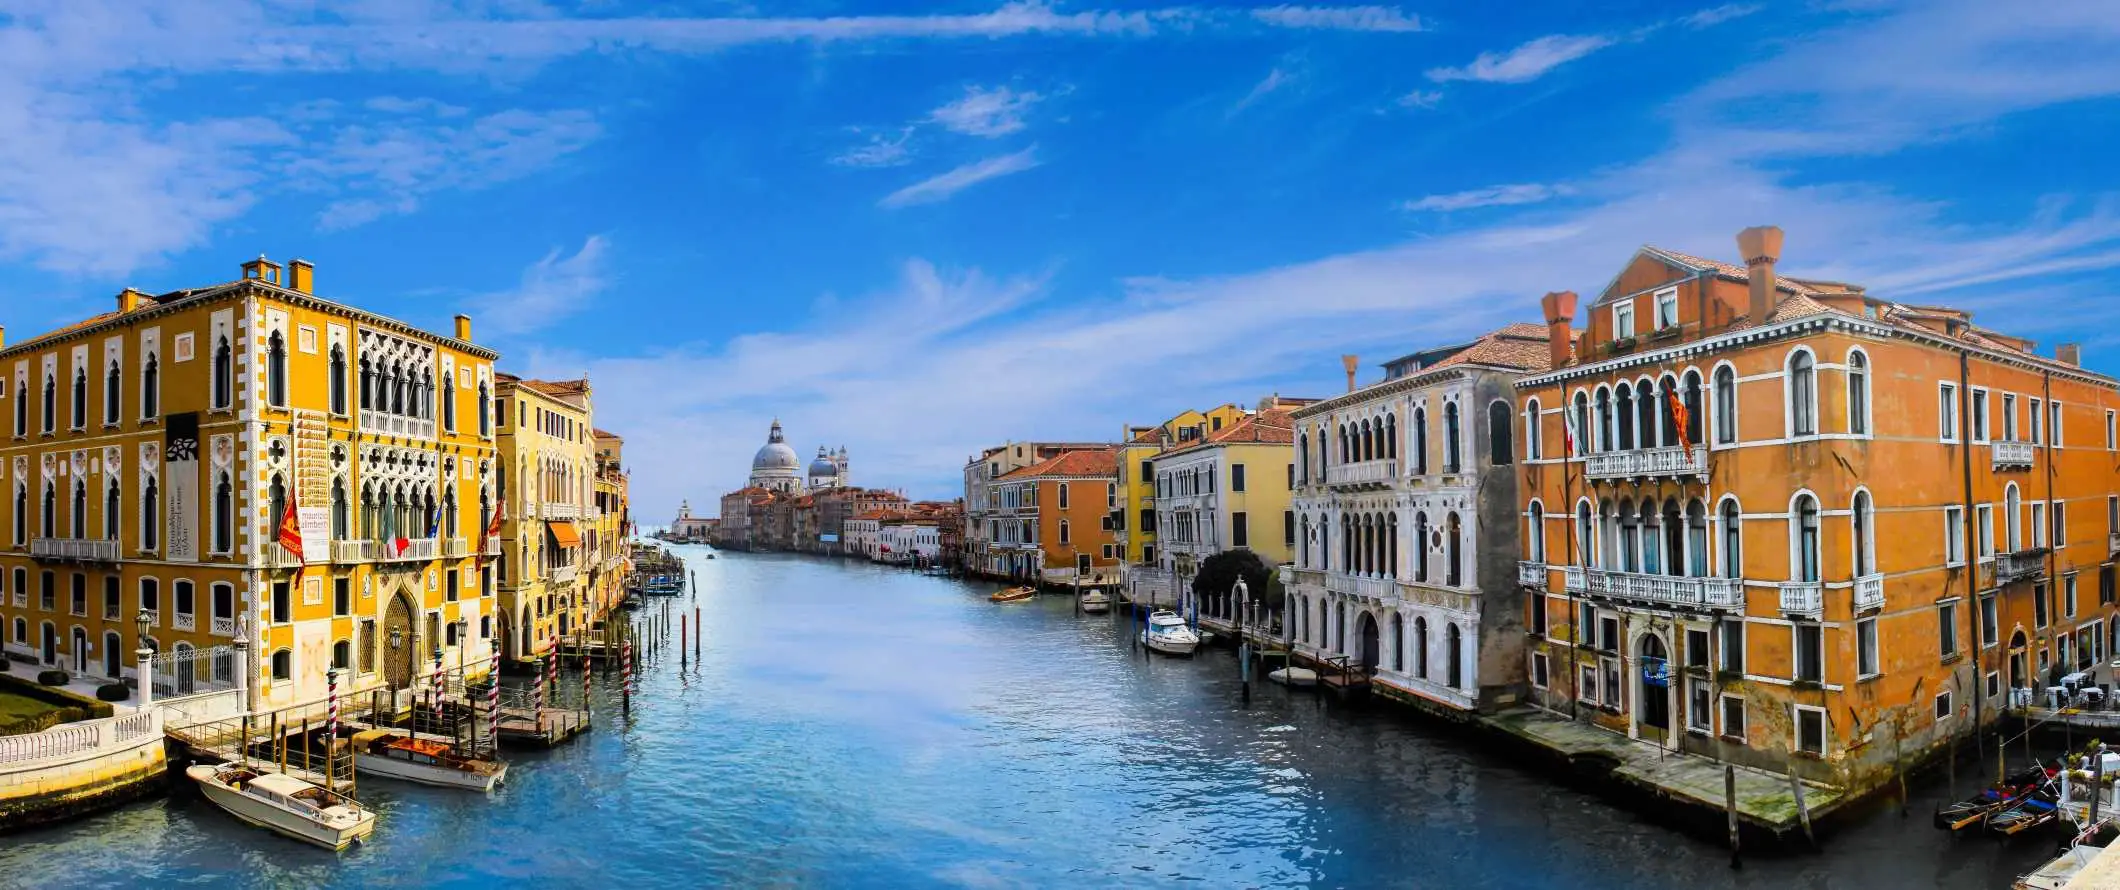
x=1096 y=602
x=1294 y=676
x=1012 y=595
x=2031 y=812
x=284 y=804
x=1973 y=811
x=1169 y=634
x=385 y=752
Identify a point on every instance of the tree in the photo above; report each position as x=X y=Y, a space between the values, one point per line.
x=1219 y=573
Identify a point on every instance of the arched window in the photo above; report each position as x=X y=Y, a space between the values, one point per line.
x=1803 y=516
x=80 y=398
x=79 y=515
x=276 y=370
x=1391 y=545
x=50 y=520
x=2012 y=508
x=342 y=655
x=1629 y=538
x=367 y=384
x=1534 y=441
x=448 y=397
x=1064 y=532
x=1500 y=451
x=51 y=402
x=1302 y=457
x=1605 y=422
x=1803 y=394
x=1864 y=522
x=1579 y=445
x=21 y=408
x=275 y=505
x=224 y=374
x=113 y=393
x=338 y=378
x=1453 y=454
x=21 y=513
x=1391 y=434
x=282 y=666
x=1420 y=441
x=1859 y=393
x=150 y=515
x=1368 y=442
x=1696 y=539
x=110 y=508
x=224 y=515
x=1454 y=639
x=1420 y=647
x=1303 y=537
x=1420 y=546
x=1725 y=405
x=1733 y=539
x=339 y=517
x=1583 y=540
x=1346 y=448
x=1398 y=642
x=1691 y=398
x=151 y=386
x=1452 y=548
x=1623 y=395
x=485 y=418
x=1535 y=539
x=1667 y=421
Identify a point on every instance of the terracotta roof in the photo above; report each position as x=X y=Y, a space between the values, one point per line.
x=559 y=387
x=1273 y=426
x=1730 y=271
x=1520 y=345
x=1090 y=462
x=1148 y=436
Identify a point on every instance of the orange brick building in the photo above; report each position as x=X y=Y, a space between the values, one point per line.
x=1052 y=519
x=1866 y=524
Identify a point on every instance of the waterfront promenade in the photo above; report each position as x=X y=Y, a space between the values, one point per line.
x=857 y=725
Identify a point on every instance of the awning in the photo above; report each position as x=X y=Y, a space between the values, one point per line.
x=563 y=534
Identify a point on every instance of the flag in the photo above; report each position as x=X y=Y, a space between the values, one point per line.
x=434 y=522
x=493 y=529
x=1679 y=419
x=1568 y=429
x=290 y=536
x=398 y=545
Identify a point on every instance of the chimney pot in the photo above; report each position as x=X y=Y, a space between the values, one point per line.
x=2069 y=354
x=463 y=328
x=1350 y=363
x=301 y=276
x=1559 y=307
x=1761 y=247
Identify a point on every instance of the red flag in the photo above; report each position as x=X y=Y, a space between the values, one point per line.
x=398 y=545
x=493 y=530
x=290 y=535
x=1680 y=417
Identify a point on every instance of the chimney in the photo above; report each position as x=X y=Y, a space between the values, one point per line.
x=463 y=328
x=262 y=269
x=301 y=276
x=1559 y=307
x=130 y=299
x=2069 y=354
x=1761 y=247
x=1350 y=363
x=3 y=336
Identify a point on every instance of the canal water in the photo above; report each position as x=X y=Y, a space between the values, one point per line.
x=856 y=726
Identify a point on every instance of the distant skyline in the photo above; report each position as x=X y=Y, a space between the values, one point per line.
x=917 y=233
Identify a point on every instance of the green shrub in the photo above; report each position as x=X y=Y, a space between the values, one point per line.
x=53 y=678
x=113 y=692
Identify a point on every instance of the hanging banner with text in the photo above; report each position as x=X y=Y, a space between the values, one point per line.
x=180 y=453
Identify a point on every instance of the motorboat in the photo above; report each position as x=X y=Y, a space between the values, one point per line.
x=1096 y=602
x=1294 y=676
x=1012 y=595
x=1169 y=634
x=284 y=804
x=396 y=755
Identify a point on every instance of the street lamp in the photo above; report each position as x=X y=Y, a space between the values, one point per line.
x=144 y=658
x=397 y=642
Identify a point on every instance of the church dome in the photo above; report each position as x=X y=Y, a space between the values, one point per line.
x=823 y=465
x=776 y=455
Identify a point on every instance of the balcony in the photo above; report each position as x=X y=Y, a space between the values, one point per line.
x=349 y=552
x=1367 y=474
x=184 y=621
x=82 y=549
x=279 y=557
x=1802 y=598
x=1359 y=586
x=561 y=510
x=1531 y=574
x=456 y=548
x=223 y=626
x=2030 y=563
x=1648 y=463
x=1440 y=597
x=2011 y=455
x=386 y=424
x=1661 y=590
x=1869 y=592
x=1312 y=578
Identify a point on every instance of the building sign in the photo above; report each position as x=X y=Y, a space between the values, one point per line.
x=316 y=533
x=1656 y=672
x=180 y=451
x=828 y=538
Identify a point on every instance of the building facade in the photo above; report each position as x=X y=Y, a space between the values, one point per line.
x=611 y=524
x=157 y=449
x=1051 y=521
x=1802 y=527
x=1406 y=513
x=548 y=568
x=1227 y=489
x=982 y=553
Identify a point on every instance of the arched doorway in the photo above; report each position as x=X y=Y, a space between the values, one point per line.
x=80 y=646
x=1367 y=627
x=111 y=649
x=1653 y=703
x=503 y=631
x=50 y=650
x=2019 y=679
x=400 y=641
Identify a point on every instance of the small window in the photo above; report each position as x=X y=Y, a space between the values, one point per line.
x=1947 y=412
x=1700 y=715
x=1866 y=647
x=1733 y=717
x=1236 y=477
x=1733 y=646
x=1947 y=629
x=1667 y=308
x=1980 y=415
x=282 y=666
x=1810 y=730
x=1803 y=394
x=1990 y=629
x=1623 y=320
x=1696 y=647
x=1538 y=670
x=1810 y=653
x=1954 y=536
x=1943 y=704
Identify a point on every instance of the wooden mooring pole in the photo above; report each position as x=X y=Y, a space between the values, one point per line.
x=698 y=631
x=681 y=648
x=1730 y=808
x=1803 y=811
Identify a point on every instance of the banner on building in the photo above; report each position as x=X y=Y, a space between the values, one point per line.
x=180 y=454
x=316 y=533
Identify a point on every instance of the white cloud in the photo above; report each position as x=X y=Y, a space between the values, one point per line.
x=1525 y=63
x=882 y=150
x=986 y=112
x=1339 y=18
x=1494 y=196
x=1421 y=99
x=384 y=166
x=1275 y=79
x=551 y=289
x=942 y=187
x=1708 y=18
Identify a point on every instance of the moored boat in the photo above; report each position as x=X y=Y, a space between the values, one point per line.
x=384 y=752
x=1012 y=595
x=2031 y=812
x=1294 y=676
x=1169 y=634
x=1096 y=602
x=284 y=804
x=1974 y=811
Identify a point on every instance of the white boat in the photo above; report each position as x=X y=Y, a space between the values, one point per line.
x=1167 y=633
x=1294 y=676
x=384 y=752
x=1096 y=602
x=284 y=804
x=2059 y=872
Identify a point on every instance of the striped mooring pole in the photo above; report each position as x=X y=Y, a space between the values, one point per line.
x=493 y=705
x=331 y=710
x=625 y=680
x=586 y=675
x=537 y=690
x=437 y=687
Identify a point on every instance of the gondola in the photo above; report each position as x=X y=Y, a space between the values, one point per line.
x=2031 y=812
x=1973 y=811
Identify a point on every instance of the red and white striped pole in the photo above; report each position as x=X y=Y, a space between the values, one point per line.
x=553 y=666
x=331 y=731
x=586 y=675
x=493 y=706
x=625 y=681
x=537 y=689
x=437 y=687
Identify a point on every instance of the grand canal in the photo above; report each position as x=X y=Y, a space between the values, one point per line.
x=851 y=725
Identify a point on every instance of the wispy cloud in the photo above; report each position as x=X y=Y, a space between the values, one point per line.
x=551 y=289
x=383 y=166
x=1493 y=196
x=882 y=150
x=946 y=185
x=1708 y=18
x=1525 y=63
x=1274 y=80
x=987 y=112
x=1421 y=99
x=1339 y=18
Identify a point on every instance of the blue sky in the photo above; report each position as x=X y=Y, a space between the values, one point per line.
x=917 y=230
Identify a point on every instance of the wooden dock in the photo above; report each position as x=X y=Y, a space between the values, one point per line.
x=542 y=728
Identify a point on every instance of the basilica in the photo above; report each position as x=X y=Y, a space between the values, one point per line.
x=777 y=469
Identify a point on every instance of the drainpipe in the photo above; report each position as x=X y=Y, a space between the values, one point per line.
x=2046 y=387
x=1972 y=564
